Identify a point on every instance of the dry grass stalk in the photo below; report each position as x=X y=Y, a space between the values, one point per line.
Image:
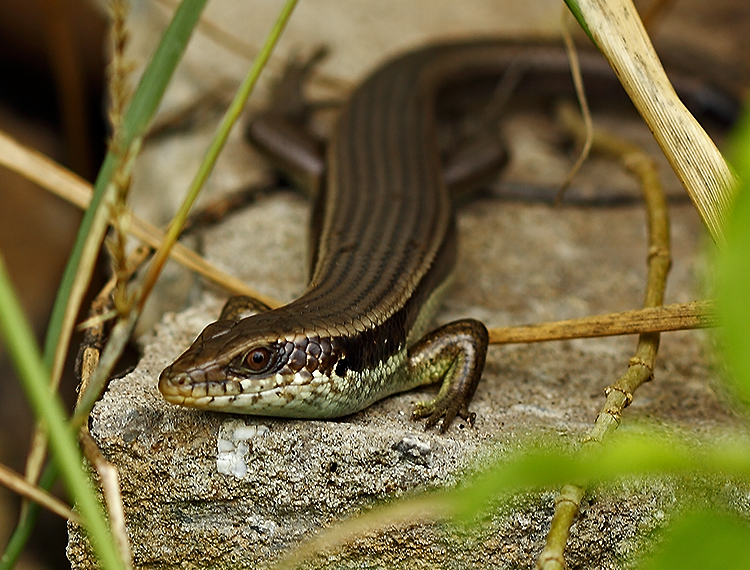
x=619 y=33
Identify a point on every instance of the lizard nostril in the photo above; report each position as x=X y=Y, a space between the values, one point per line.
x=168 y=379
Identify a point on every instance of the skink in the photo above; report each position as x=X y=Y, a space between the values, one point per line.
x=384 y=248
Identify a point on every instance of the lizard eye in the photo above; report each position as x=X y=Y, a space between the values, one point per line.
x=259 y=359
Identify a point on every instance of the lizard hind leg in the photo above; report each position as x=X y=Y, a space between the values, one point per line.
x=455 y=354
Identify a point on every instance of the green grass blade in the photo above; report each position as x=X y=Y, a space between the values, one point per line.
x=88 y=242
x=49 y=411
x=91 y=232
x=123 y=328
x=217 y=144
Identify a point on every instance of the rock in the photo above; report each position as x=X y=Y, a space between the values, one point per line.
x=207 y=489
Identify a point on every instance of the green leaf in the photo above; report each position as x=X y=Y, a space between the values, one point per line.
x=638 y=454
x=733 y=270
x=703 y=541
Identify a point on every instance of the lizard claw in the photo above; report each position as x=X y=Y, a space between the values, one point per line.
x=456 y=353
x=445 y=409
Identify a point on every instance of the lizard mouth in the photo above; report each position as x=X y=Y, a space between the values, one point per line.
x=199 y=388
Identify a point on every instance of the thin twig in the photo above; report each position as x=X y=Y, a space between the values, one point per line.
x=567 y=504
x=575 y=70
x=119 y=69
x=94 y=338
x=17 y=483
x=36 y=167
x=620 y=394
x=87 y=362
x=676 y=317
x=109 y=480
x=119 y=97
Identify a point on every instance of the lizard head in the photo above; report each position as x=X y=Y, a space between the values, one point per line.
x=250 y=366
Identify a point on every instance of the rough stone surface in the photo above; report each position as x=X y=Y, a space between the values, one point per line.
x=205 y=489
x=212 y=490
